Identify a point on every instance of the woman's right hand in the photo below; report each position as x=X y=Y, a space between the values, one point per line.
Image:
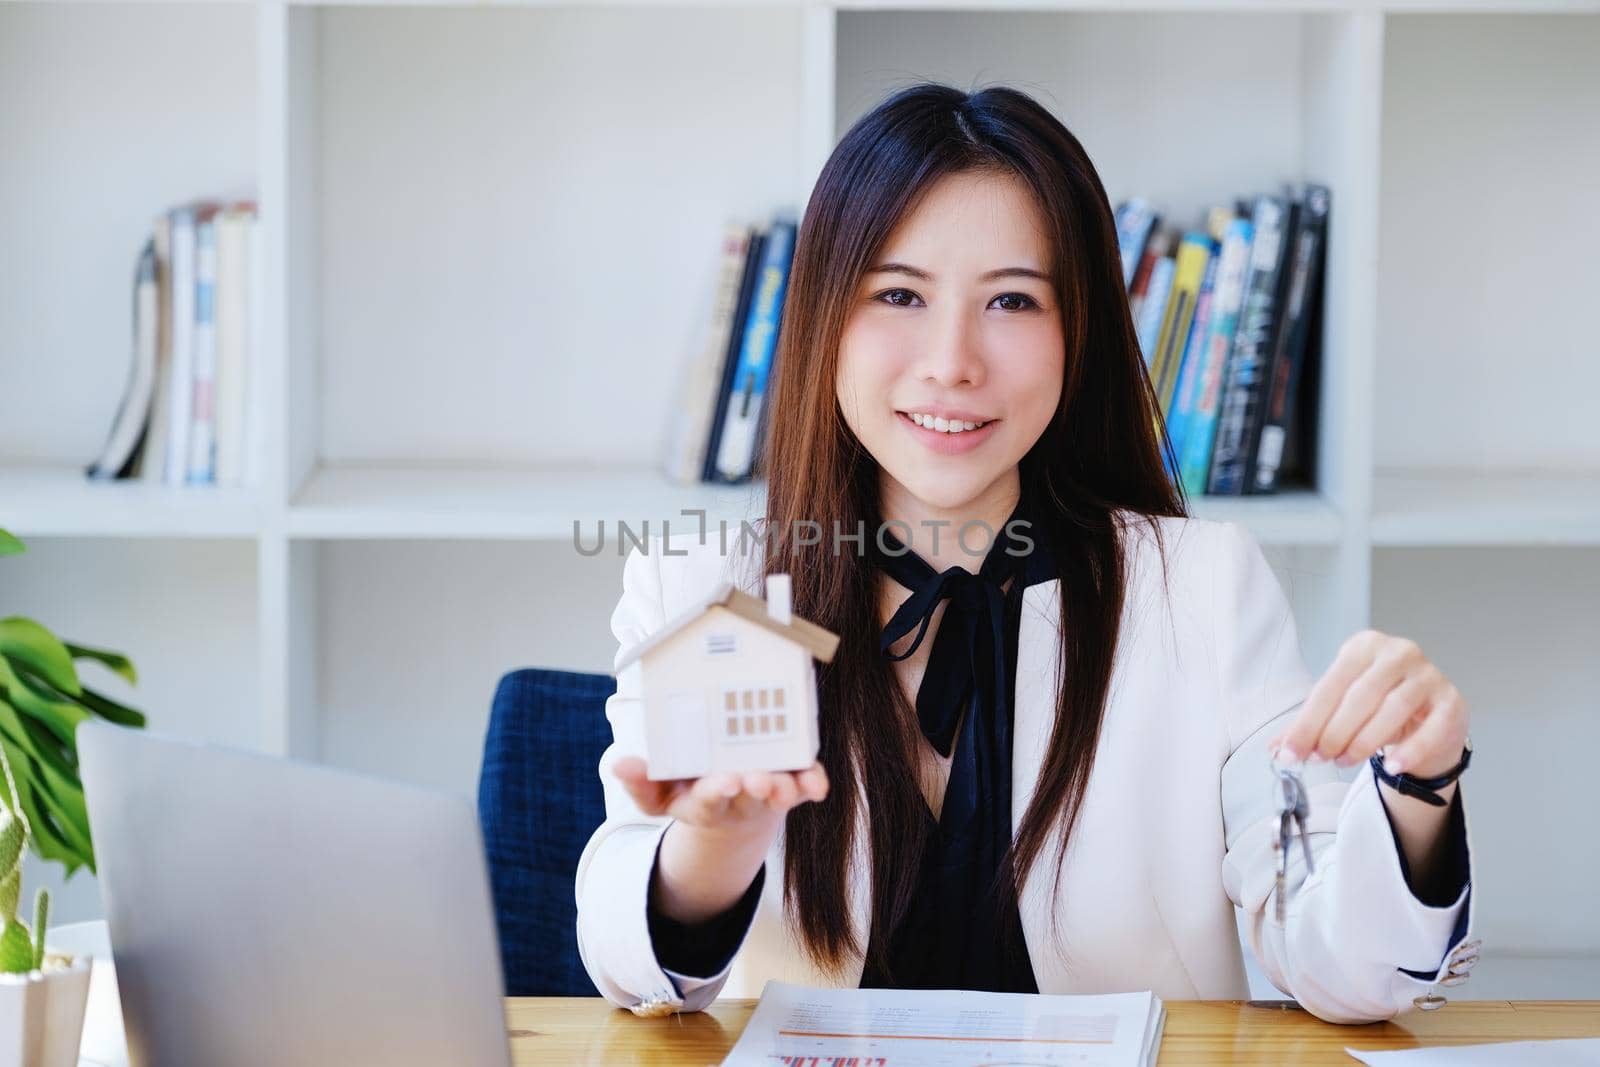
x=750 y=801
x=723 y=826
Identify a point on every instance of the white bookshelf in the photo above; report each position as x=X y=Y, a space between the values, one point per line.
x=490 y=231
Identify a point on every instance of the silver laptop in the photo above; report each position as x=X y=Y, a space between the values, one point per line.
x=264 y=911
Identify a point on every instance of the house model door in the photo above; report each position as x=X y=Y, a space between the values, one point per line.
x=686 y=730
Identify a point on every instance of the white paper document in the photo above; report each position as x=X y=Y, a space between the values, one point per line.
x=796 y=1026
x=1579 y=1052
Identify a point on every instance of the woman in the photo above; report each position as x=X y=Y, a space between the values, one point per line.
x=1046 y=756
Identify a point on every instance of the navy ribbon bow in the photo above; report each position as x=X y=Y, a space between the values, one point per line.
x=969 y=649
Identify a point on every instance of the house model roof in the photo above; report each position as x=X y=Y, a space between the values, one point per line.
x=820 y=642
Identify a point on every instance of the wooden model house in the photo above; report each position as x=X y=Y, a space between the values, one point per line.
x=729 y=685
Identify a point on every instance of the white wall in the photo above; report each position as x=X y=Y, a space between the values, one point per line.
x=519 y=233
x=1488 y=356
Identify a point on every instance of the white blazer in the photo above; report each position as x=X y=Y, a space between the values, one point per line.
x=1175 y=830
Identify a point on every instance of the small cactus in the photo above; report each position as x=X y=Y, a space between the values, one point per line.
x=20 y=950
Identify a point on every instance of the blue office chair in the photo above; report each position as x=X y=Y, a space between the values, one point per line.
x=539 y=799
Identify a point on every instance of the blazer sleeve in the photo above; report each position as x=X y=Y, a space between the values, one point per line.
x=615 y=870
x=1357 y=944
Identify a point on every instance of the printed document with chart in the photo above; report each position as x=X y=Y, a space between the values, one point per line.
x=796 y=1026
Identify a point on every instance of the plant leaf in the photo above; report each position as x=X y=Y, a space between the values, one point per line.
x=115 y=660
x=109 y=709
x=11 y=723
x=33 y=646
x=38 y=703
x=62 y=799
x=10 y=546
x=47 y=839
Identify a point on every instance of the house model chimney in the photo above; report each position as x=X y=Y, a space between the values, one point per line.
x=778 y=598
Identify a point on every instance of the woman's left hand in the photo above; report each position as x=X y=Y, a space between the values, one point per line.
x=1381 y=692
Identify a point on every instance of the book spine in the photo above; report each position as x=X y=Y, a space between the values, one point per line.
x=1134 y=223
x=180 y=406
x=1301 y=295
x=1227 y=299
x=730 y=362
x=691 y=424
x=202 y=432
x=151 y=461
x=1273 y=352
x=1188 y=273
x=1242 y=391
x=1188 y=373
x=232 y=291
x=736 y=453
x=255 y=304
x=133 y=413
x=1153 y=311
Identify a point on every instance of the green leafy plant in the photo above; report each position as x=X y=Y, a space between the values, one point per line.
x=42 y=701
x=20 y=950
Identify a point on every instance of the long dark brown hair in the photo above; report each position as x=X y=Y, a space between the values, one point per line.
x=1101 y=453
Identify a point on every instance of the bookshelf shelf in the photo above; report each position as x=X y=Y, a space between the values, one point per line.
x=1291 y=517
x=454 y=503
x=1454 y=507
x=55 y=500
x=467 y=503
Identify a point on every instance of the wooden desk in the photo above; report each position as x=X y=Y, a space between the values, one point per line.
x=582 y=1030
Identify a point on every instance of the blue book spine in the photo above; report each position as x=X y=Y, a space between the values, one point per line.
x=1155 y=307
x=1188 y=371
x=1227 y=297
x=737 y=449
x=203 y=419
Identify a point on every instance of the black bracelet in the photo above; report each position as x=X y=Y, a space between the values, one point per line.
x=1424 y=789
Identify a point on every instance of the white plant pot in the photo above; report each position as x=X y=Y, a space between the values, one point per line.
x=41 y=1015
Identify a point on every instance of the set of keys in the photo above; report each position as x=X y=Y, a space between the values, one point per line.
x=1293 y=809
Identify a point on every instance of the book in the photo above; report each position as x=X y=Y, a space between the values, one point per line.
x=730 y=362
x=150 y=462
x=132 y=420
x=1135 y=221
x=1189 y=269
x=1189 y=367
x=1303 y=288
x=689 y=428
x=200 y=466
x=1252 y=344
x=1154 y=248
x=1154 y=310
x=234 y=233
x=737 y=448
x=1227 y=298
x=255 y=302
x=180 y=374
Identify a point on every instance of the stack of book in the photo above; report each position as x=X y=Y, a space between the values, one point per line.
x=1229 y=321
x=185 y=418
x=717 y=429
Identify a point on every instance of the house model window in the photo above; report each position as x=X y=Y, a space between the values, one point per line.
x=754 y=714
x=730 y=685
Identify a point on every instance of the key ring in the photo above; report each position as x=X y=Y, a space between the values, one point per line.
x=1294 y=808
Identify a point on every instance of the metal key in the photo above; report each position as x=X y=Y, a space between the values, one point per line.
x=1293 y=809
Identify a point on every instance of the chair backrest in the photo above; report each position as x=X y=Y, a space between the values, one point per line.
x=539 y=799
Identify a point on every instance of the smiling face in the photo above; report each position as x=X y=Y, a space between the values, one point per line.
x=952 y=359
